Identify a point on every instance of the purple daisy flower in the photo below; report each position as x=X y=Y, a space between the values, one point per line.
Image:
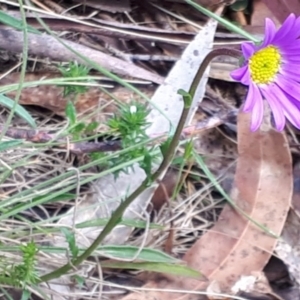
x=272 y=72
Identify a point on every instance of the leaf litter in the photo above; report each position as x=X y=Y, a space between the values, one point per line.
x=191 y=213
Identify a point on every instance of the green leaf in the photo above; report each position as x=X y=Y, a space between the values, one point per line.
x=15 y=23
x=71 y=112
x=164 y=147
x=147 y=164
x=70 y=237
x=71 y=71
x=35 y=201
x=10 y=144
x=79 y=127
x=188 y=151
x=129 y=252
x=62 y=197
x=80 y=280
x=126 y=222
x=187 y=98
x=25 y=295
x=174 y=269
x=91 y=127
x=20 y=111
x=224 y=22
x=6 y=294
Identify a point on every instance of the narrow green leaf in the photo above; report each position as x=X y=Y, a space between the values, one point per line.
x=126 y=222
x=79 y=280
x=147 y=164
x=187 y=98
x=7 y=295
x=174 y=269
x=79 y=127
x=71 y=112
x=224 y=22
x=129 y=252
x=91 y=127
x=15 y=23
x=164 y=146
x=70 y=237
x=20 y=111
x=188 y=150
x=25 y=295
x=62 y=197
x=10 y=144
x=35 y=201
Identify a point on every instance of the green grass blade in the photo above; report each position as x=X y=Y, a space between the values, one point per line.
x=224 y=22
x=129 y=252
x=9 y=144
x=174 y=269
x=20 y=111
x=15 y=23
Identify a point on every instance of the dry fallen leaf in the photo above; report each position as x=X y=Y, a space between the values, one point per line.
x=260 y=13
x=263 y=190
x=281 y=9
x=52 y=98
x=288 y=247
x=235 y=246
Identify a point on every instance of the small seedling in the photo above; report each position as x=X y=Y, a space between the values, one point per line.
x=130 y=125
x=23 y=274
x=74 y=70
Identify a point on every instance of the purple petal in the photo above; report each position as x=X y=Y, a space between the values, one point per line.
x=294 y=63
x=254 y=103
x=290 y=46
x=253 y=93
x=285 y=30
x=297 y=27
x=257 y=111
x=248 y=50
x=289 y=68
x=270 y=31
x=246 y=78
x=288 y=53
x=291 y=110
x=290 y=75
x=293 y=34
x=239 y=73
x=286 y=39
x=292 y=58
x=275 y=106
x=289 y=87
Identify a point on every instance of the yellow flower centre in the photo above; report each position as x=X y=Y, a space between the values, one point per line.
x=264 y=65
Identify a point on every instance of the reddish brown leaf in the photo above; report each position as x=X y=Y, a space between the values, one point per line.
x=263 y=190
x=51 y=96
x=235 y=246
x=260 y=13
x=282 y=8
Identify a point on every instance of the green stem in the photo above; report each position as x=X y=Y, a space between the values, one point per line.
x=209 y=57
x=118 y=213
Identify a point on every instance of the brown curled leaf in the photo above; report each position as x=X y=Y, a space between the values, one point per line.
x=235 y=246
